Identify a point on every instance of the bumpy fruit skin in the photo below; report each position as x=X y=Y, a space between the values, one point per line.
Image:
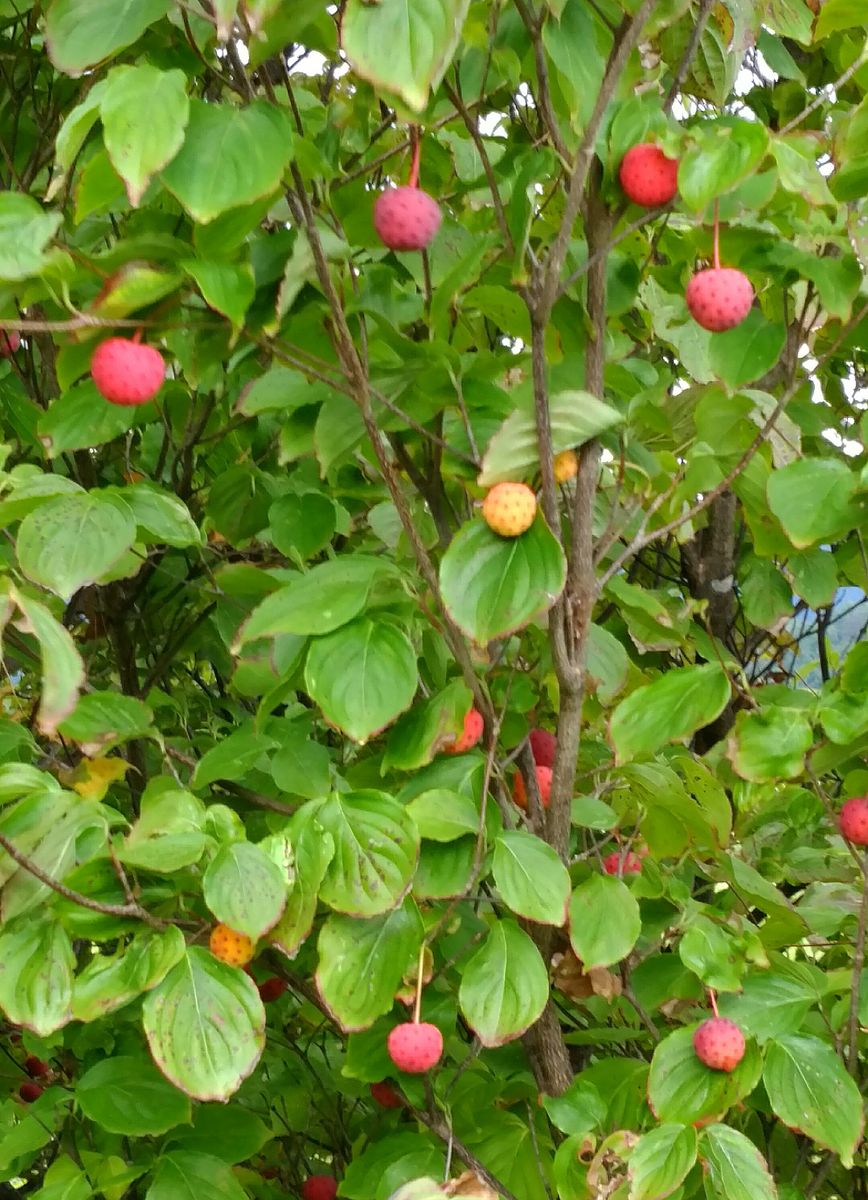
x=631 y=865
x=469 y=736
x=36 y=1068
x=719 y=1044
x=272 y=989
x=719 y=298
x=566 y=466
x=544 y=782
x=647 y=176
x=319 y=1187
x=853 y=821
x=509 y=509
x=126 y=372
x=385 y=1095
x=9 y=342
x=230 y=947
x=543 y=747
x=406 y=218
x=29 y=1091
x=415 y=1048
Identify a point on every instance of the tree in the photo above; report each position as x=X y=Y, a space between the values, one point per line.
x=245 y=622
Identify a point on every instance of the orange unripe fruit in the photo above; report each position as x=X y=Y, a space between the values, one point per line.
x=235 y=949
x=509 y=509
x=469 y=736
x=566 y=466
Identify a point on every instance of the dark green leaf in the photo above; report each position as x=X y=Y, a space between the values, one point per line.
x=129 y=1095
x=530 y=877
x=668 y=710
x=682 y=1089
x=604 y=921
x=376 y=847
x=504 y=987
x=661 y=1161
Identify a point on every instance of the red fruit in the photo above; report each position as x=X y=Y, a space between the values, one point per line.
x=631 y=864
x=853 y=820
x=544 y=782
x=469 y=736
x=319 y=1187
x=126 y=372
x=719 y=1044
x=29 y=1092
x=272 y=989
x=415 y=1048
x=36 y=1068
x=385 y=1095
x=543 y=746
x=406 y=218
x=719 y=298
x=647 y=176
x=9 y=342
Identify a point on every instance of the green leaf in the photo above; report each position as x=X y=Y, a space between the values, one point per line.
x=815 y=576
x=228 y=288
x=230 y=1132
x=62 y=666
x=607 y=664
x=129 y=1095
x=797 y=165
x=513 y=453
x=36 y=966
x=205 y=1026
x=422 y=37
x=73 y=540
x=302 y=767
x=771 y=1003
x=836 y=15
x=187 y=1175
x=770 y=744
x=443 y=815
x=376 y=847
x=313 y=850
x=80 y=33
x=144 y=114
x=362 y=676
x=79 y=419
x=102 y=719
x=161 y=517
x=604 y=921
x=682 y=1089
x=362 y=963
x=230 y=157
x=670 y=709
x=743 y=354
x=428 y=727
x=320 y=601
x=493 y=585
x=724 y=152
x=110 y=981
x=232 y=757
x=661 y=1161
x=810 y=1090
x=25 y=231
x=734 y=1166
x=813 y=500
x=579 y=1110
x=302 y=526
x=505 y=985
x=245 y=889
x=530 y=877
x=169 y=832
x=61 y=848
x=712 y=954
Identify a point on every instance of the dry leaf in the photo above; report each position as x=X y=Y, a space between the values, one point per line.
x=470 y=1185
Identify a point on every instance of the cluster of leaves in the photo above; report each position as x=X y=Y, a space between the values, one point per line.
x=243 y=623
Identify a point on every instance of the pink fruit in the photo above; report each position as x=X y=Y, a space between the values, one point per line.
x=469 y=736
x=719 y=298
x=385 y=1095
x=543 y=746
x=544 y=782
x=719 y=1044
x=9 y=342
x=616 y=864
x=319 y=1187
x=853 y=821
x=415 y=1048
x=647 y=176
x=126 y=372
x=406 y=218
